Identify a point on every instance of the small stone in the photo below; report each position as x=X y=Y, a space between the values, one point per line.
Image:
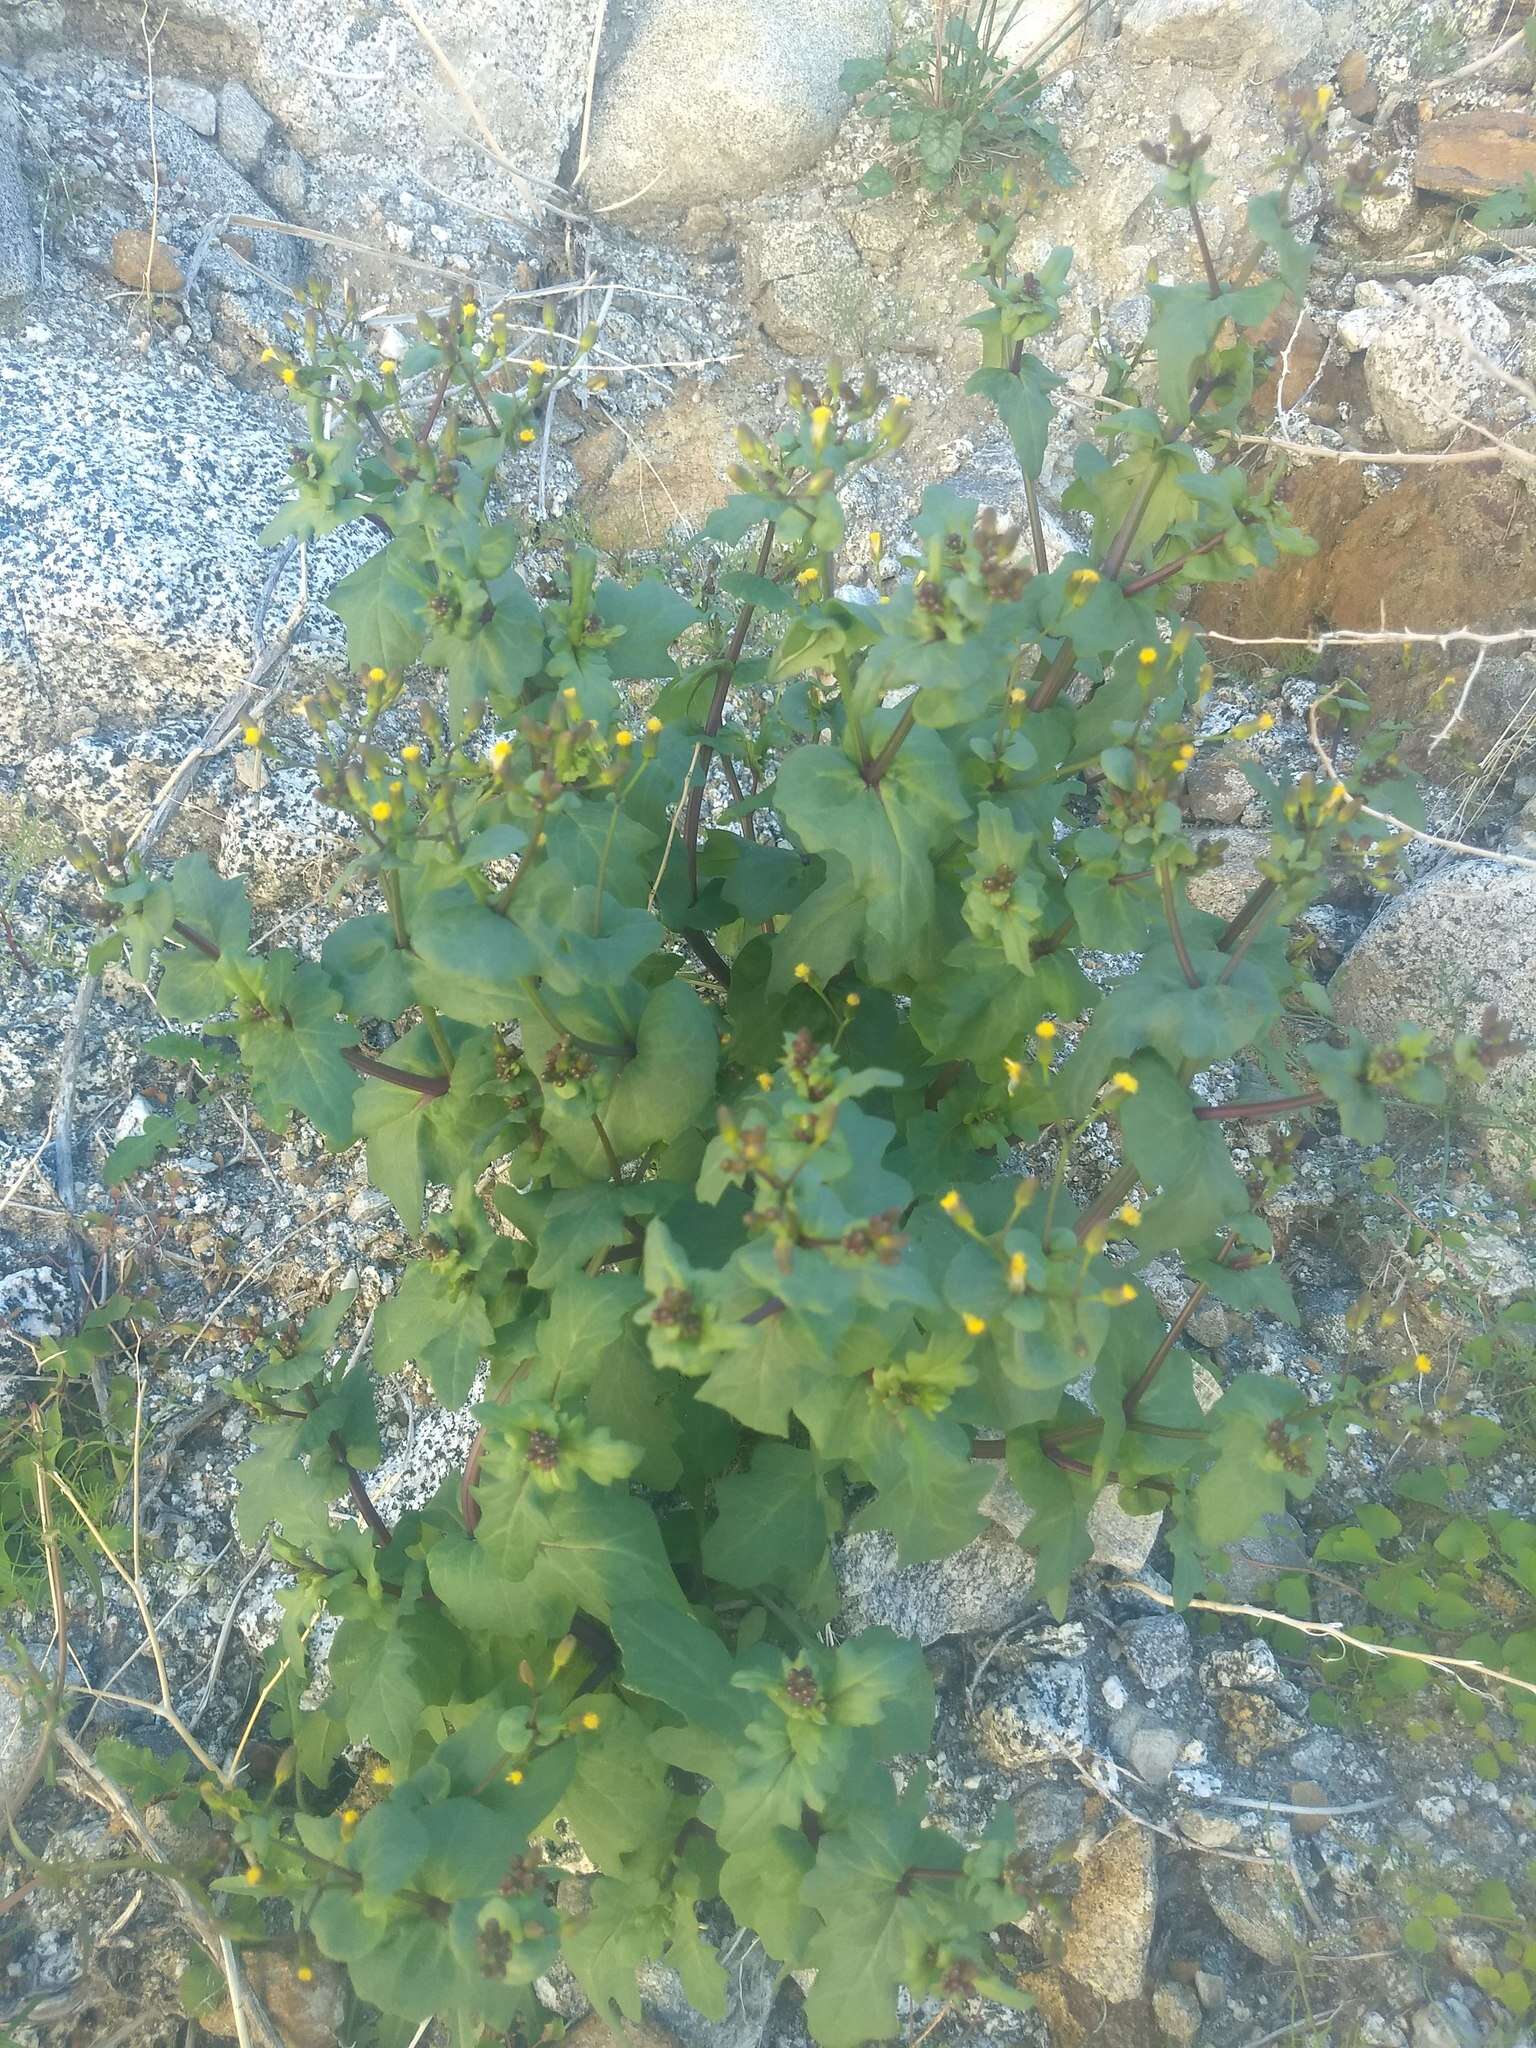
x=1377 y=2031
x=1473 y=155
x=18 y=248
x=1110 y=1930
x=1157 y=1650
x=987 y=1586
x=1042 y=1714
x=806 y=284
x=1047 y=1820
x=1275 y=1546
x=244 y=125
x=1307 y=1792
x=142 y=261
x=1153 y=1754
x=1177 y=2011
x=1360 y=326
x=1253 y=1666
x=1238 y=38
x=1465 y=1952
x=1255 y=1903
x=1255 y=1725
x=283 y=177
x=1421 y=372
x=1114 y=1693
x=1441 y=2025
x=189 y=102
x=1211 y=1990
x=1209 y=1830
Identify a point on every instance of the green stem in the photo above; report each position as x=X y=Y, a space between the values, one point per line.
x=1175 y=930
x=612 y=1157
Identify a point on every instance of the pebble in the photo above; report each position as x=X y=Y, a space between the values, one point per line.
x=142 y=261
x=1157 y=1650
x=189 y=102
x=1177 y=2011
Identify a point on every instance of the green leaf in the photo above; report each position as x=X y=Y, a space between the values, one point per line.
x=669 y=1655
x=763 y=1886
x=292 y=1050
x=773 y=1521
x=372 y=976
x=1023 y=401
x=469 y=961
x=436 y=1319
x=661 y=1091
x=1172 y=1149
x=1267 y=216
x=931 y=1489
x=652 y=616
x=617 y=1801
x=383 y=605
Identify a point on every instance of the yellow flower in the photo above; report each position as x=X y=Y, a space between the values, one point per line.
x=1149 y=657
x=382 y=811
x=538 y=367
x=500 y=753
x=376 y=675
x=876 y=543
x=1014 y=1069
x=350 y=1816
x=1129 y=1214
x=852 y=1001
x=514 y=1777
x=469 y=309
x=305 y=1974
x=1126 y=1083
x=802 y=970
x=1324 y=97
x=387 y=366
x=252 y=736
x=1265 y=720
x=811 y=575
x=410 y=755
x=1423 y=1362
x=765 y=1082
x=1045 y=1028
x=254 y=1873
x=1125 y=1292
x=383 y=1775
x=589 y=1720
x=623 y=737
x=569 y=693
x=1018 y=696
x=289 y=374
x=268 y=355
x=974 y=1325
x=526 y=434
x=901 y=398
x=653 y=726
x=1018 y=1272
x=951 y=1203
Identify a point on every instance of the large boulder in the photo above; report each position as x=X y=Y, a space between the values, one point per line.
x=704 y=103
x=1452 y=946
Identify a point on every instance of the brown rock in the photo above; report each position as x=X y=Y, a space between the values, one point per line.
x=1112 y=1914
x=1358 y=90
x=593 y=2032
x=672 y=472
x=1469 y=156
x=141 y=260
x=1074 y=2015
x=307 y=2013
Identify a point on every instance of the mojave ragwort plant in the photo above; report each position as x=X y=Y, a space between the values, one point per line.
x=704 y=1117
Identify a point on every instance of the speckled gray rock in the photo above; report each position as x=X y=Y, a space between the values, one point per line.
x=806 y=285
x=18 y=250
x=244 y=125
x=705 y=102
x=1121 y=1541
x=1421 y=371
x=1454 y=944
x=1039 y=1714
x=1157 y=1650
x=189 y=102
x=988 y=1585
x=1110 y=1929
x=1277 y=1544
x=1240 y=38
x=133 y=578
x=1255 y=1902
x=19 y=1739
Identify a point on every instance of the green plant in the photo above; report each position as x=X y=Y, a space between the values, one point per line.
x=958 y=106
x=1501 y=1921
x=27 y=844
x=1514 y=207
x=702 y=1116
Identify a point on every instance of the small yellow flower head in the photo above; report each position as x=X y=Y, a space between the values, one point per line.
x=410 y=755
x=305 y=1974
x=1149 y=657
x=350 y=1816
x=377 y=674
x=268 y=355
x=765 y=1082
x=382 y=1775
x=597 y=383
x=538 y=367
x=1126 y=1083
x=1014 y=1069
x=901 y=399
x=387 y=366
x=1125 y=1292
x=1018 y=696
x=382 y=811
x=1018 y=1272
x=852 y=1001
x=802 y=970
x=951 y=1203
x=590 y=1720
x=653 y=726
x=1082 y=579
x=1324 y=98
x=1045 y=1029
x=469 y=309
x=254 y=1873
x=252 y=736
x=1265 y=721
x=810 y=575
x=525 y=435
x=569 y=693
x=501 y=753
x=974 y=1325
x=623 y=737
x=1129 y=1214
x=288 y=374
x=876 y=544
x=1423 y=1363
x=514 y=1777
